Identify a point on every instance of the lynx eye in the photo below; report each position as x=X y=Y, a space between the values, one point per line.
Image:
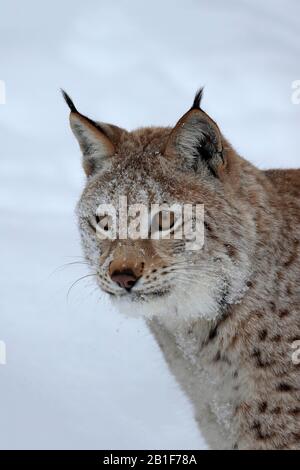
x=165 y=220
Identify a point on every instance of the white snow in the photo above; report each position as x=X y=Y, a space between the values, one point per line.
x=78 y=374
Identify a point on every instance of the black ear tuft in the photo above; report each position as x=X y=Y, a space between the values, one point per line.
x=197 y=99
x=69 y=101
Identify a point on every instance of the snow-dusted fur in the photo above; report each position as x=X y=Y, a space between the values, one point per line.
x=225 y=316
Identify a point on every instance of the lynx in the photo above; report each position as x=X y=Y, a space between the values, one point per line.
x=225 y=316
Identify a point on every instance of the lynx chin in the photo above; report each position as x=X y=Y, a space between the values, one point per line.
x=225 y=316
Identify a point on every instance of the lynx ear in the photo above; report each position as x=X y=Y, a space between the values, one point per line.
x=97 y=140
x=197 y=139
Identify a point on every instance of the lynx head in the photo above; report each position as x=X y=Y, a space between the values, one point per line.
x=190 y=164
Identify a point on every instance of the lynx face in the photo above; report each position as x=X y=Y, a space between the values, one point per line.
x=190 y=164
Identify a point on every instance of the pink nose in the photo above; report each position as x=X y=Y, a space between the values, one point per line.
x=125 y=278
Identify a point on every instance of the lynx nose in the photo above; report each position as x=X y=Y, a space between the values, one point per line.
x=125 y=278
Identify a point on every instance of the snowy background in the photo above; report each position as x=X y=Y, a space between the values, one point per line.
x=78 y=374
